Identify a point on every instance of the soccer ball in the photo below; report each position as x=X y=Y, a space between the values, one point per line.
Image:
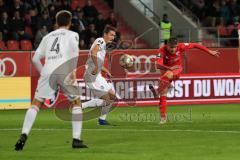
x=126 y=61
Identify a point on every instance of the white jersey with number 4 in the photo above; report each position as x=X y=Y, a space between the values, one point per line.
x=57 y=47
x=100 y=56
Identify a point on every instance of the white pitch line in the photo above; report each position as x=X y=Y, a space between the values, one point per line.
x=127 y=130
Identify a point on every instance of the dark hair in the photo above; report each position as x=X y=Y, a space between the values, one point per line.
x=63 y=18
x=109 y=28
x=172 y=41
x=165 y=15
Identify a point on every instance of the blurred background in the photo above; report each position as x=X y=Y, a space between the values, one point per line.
x=142 y=23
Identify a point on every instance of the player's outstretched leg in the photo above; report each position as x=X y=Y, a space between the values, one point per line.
x=109 y=99
x=30 y=117
x=163 y=109
x=162 y=104
x=164 y=85
x=104 y=111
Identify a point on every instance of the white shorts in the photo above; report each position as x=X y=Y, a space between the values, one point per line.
x=45 y=90
x=97 y=84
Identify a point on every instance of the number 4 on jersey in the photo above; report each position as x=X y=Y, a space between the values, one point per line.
x=55 y=46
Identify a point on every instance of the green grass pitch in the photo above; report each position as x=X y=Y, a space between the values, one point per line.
x=197 y=132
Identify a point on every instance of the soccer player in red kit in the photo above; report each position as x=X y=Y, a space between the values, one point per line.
x=170 y=56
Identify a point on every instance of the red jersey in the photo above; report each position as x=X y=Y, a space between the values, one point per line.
x=176 y=58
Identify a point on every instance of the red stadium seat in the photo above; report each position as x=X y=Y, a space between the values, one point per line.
x=2 y=46
x=77 y=3
x=26 y=45
x=13 y=45
x=74 y=4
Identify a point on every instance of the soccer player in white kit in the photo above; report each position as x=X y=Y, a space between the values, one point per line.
x=93 y=77
x=58 y=47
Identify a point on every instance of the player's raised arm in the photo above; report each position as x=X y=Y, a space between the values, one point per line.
x=203 y=48
x=94 y=52
x=104 y=69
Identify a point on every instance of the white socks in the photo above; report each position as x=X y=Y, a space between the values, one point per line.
x=93 y=103
x=77 y=118
x=105 y=111
x=30 y=117
x=98 y=103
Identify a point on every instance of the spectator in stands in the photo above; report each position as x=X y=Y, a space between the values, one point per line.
x=82 y=44
x=223 y=32
x=78 y=9
x=110 y=3
x=28 y=18
x=52 y=12
x=34 y=19
x=17 y=6
x=57 y=4
x=44 y=20
x=91 y=41
x=80 y=21
x=100 y=24
x=80 y=31
x=32 y=3
x=4 y=26
x=212 y=11
x=166 y=28
x=90 y=11
x=235 y=8
x=233 y=29
x=226 y=12
x=118 y=37
x=112 y=20
x=91 y=33
x=198 y=7
x=3 y=7
x=18 y=27
x=40 y=34
x=42 y=6
x=27 y=4
x=66 y=5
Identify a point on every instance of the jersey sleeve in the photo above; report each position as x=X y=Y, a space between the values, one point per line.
x=99 y=42
x=75 y=45
x=186 y=46
x=39 y=54
x=41 y=50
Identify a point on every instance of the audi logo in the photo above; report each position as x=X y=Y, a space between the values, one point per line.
x=144 y=64
x=4 y=64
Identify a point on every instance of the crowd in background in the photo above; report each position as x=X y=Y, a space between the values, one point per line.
x=33 y=19
x=223 y=14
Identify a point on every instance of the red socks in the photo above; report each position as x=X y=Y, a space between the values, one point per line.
x=164 y=83
x=163 y=106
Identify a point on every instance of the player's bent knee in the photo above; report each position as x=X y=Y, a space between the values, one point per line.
x=108 y=102
x=112 y=95
x=37 y=103
x=169 y=75
x=76 y=102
